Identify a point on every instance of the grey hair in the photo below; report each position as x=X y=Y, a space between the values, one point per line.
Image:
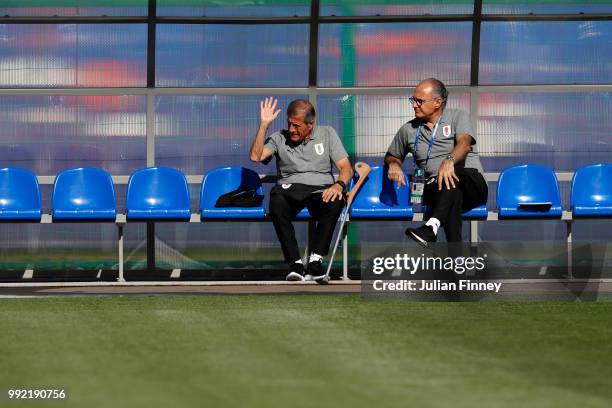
x=302 y=105
x=438 y=88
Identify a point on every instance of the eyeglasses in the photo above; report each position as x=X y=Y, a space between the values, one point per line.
x=419 y=102
x=295 y=124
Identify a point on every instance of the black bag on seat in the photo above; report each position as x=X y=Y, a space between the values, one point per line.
x=240 y=198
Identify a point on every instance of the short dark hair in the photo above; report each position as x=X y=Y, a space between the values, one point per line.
x=438 y=88
x=302 y=106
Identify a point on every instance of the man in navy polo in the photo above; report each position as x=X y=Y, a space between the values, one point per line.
x=304 y=156
x=445 y=159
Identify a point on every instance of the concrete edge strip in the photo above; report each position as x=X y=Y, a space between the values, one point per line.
x=257 y=283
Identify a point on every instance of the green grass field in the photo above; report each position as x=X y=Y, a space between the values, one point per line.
x=304 y=351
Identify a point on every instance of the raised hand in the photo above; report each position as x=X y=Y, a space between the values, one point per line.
x=268 y=110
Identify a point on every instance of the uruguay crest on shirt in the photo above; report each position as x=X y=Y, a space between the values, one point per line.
x=446 y=131
x=319 y=149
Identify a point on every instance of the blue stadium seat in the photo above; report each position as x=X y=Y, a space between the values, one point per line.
x=304 y=214
x=592 y=191
x=222 y=180
x=528 y=191
x=158 y=193
x=84 y=193
x=476 y=213
x=380 y=198
x=19 y=195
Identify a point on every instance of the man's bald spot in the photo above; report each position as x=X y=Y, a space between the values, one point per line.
x=437 y=88
x=302 y=107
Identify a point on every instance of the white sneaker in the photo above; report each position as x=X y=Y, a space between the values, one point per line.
x=296 y=272
x=294 y=277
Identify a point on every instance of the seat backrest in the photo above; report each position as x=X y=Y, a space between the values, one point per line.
x=380 y=192
x=160 y=188
x=83 y=188
x=592 y=185
x=19 y=194
x=527 y=183
x=222 y=180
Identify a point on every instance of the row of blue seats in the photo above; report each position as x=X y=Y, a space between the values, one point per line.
x=523 y=191
x=161 y=193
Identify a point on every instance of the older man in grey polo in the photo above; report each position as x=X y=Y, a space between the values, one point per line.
x=304 y=156
x=443 y=147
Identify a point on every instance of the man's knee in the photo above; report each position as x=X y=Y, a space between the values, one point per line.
x=446 y=195
x=278 y=204
x=334 y=208
x=451 y=190
x=328 y=210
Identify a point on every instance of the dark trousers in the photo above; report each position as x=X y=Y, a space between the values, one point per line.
x=285 y=204
x=448 y=205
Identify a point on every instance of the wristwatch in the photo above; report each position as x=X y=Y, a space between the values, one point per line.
x=450 y=157
x=341 y=184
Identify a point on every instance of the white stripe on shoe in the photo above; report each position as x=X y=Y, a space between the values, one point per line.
x=419 y=239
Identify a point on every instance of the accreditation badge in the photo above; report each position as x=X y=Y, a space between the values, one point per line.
x=418 y=187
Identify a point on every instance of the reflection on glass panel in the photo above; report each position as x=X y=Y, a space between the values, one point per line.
x=367 y=123
x=233 y=8
x=46 y=134
x=397 y=54
x=545 y=7
x=73 y=55
x=395 y=7
x=562 y=130
x=52 y=249
x=198 y=133
x=66 y=8
x=232 y=55
x=206 y=246
x=542 y=234
x=562 y=52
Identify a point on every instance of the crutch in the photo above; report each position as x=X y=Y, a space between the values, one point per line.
x=362 y=169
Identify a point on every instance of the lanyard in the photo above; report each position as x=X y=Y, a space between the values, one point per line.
x=431 y=142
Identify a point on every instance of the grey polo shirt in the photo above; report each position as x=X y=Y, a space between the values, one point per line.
x=453 y=122
x=309 y=162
